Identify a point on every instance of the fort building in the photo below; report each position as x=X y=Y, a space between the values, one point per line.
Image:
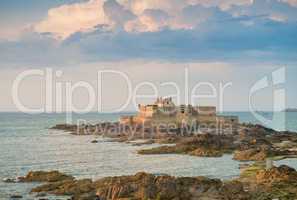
x=165 y=112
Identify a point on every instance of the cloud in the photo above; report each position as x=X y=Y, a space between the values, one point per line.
x=68 y=19
x=276 y=10
x=117 y=13
x=155 y=15
x=151 y=20
x=290 y=2
x=249 y=32
x=222 y=4
x=169 y=6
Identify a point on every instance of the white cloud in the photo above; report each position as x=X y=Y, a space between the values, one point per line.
x=169 y=6
x=144 y=15
x=150 y=21
x=68 y=19
x=133 y=15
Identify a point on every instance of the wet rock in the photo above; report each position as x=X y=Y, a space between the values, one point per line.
x=9 y=180
x=41 y=194
x=201 y=145
x=147 y=142
x=41 y=176
x=16 y=196
x=65 y=127
x=203 y=152
x=160 y=150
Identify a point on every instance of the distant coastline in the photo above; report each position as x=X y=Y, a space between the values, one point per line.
x=290 y=110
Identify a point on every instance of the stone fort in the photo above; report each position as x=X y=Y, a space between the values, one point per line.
x=165 y=112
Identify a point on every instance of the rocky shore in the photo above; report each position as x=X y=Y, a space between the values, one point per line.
x=255 y=183
x=248 y=143
x=140 y=186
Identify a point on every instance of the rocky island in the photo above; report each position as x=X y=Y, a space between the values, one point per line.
x=187 y=130
x=193 y=130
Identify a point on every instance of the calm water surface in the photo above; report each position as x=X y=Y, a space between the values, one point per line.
x=27 y=144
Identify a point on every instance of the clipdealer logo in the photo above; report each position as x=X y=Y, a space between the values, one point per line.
x=278 y=118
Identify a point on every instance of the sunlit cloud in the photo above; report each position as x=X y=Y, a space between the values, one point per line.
x=68 y=19
x=147 y=15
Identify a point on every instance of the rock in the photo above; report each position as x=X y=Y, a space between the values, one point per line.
x=9 y=180
x=86 y=196
x=201 y=145
x=251 y=155
x=235 y=190
x=79 y=189
x=16 y=196
x=203 y=152
x=41 y=176
x=276 y=174
x=41 y=194
x=275 y=183
x=65 y=127
x=159 y=150
x=94 y=141
x=168 y=140
x=147 y=186
x=144 y=186
x=147 y=142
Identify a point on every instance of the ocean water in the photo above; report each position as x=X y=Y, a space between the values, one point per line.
x=27 y=144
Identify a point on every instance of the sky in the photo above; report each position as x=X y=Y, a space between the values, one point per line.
x=151 y=41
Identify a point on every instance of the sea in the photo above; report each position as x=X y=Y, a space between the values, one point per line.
x=27 y=143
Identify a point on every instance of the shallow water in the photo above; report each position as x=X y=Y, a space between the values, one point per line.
x=27 y=144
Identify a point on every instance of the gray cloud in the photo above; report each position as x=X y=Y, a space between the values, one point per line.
x=117 y=13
